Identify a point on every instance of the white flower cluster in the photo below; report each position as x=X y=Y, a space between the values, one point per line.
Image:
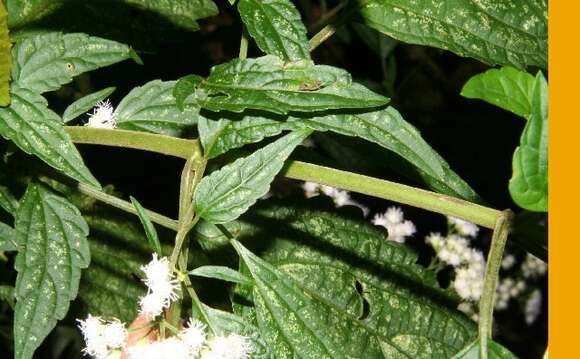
x=393 y=220
x=507 y=289
x=339 y=196
x=464 y=228
x=162 y=287
x=103 y=116
x=101 y=337
x=533 y=267
x=533 y=307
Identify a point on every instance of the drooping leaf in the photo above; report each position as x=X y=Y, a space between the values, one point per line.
x=5 y=58
x=277 y=27
x=219 y=272
x=269 y=84
x=46 y=61
x=496 y=32
x=53 y=248
x=7 y=200
x=152 y=108
x=36 y=130
x=110 y=286
x=225 y=194
x=150 y=232
x=341 y=281
x=218 y=137
x=85 y=104
x=495 y=351
x=185 y=87
x=529 y=183
x=506 y=88
x=7 y=238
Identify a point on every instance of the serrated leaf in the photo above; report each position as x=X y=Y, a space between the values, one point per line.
x=46 y=61
x=529 y=183
x=218 y=137
x=185 y=87
x=268 y=83
x=7 y=200
x=52 y=238
x=22 y=12
x=5 y=57
x=506 y=88
x=356 y=294
x=183 y=13
x=36 y=130
x=152 y=108
x=222 y=273
x=225 y=194
x=150 y=232
x=388 y=129
x=7 y=238
x=494 y=351
x=277 y=28
x=85 y=104
x=496 y=32
x=110 y=286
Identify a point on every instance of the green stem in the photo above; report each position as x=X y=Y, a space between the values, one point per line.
x=244 y=44
x=126 y=206
x=324 y=34
x=392 y=191
x=486 y=304
x=330 y=29
x=166 y=145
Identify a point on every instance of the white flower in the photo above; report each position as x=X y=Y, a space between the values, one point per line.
x=103 y=116
x=102 y=337
x=340 y=197
x=468 y=281
x=464 y=228
x=194 y=336
x=507 y=289
x=171 y=348
x=310 y=189
x=396 y=226
x=508 y=261
x=469 y=309
x=163 y=288
x=533 y=307
x=233 y=346
x=533 y=267
x=436 y=240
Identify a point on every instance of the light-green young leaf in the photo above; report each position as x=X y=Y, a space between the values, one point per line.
x=268 y=83
x=85 y=104
x=494 y=351
x=150 y=232
x=307 y=302
x=36 y=130
x=53 y=248
x=46 y=61
x=152 y=108
x=529 y=183
x=277 y=27
x=222 y=273
x=227 y=193
x=496 y=32
x=506 y=88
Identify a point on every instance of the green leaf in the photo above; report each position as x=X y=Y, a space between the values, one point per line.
x=530 y=232
x=46 y=61
x=269 y=84
x=7 y=199
x=85 y=104
x=185 y=87
x=529 y=183
x=7 y=238
x=211 y=238
x=222 y=273
x=37 y=130
x=152 y=108
x=496 y=32
x=495 y=351
x=150 y=231
x=388 y=129
x=277 y=27
x=22 y=12
x=506 y=88
x=52 y=238
x=5 y=57
x=335 y=287
x=227 y=193
x=110 y=286
x=218 y=137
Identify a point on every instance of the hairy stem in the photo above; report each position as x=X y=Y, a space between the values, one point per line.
x=335 y=23
x=126 y=206
x=486 y=304
x=392 y=191
x=244 y=44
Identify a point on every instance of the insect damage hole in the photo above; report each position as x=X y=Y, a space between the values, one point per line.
x=366 y=308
